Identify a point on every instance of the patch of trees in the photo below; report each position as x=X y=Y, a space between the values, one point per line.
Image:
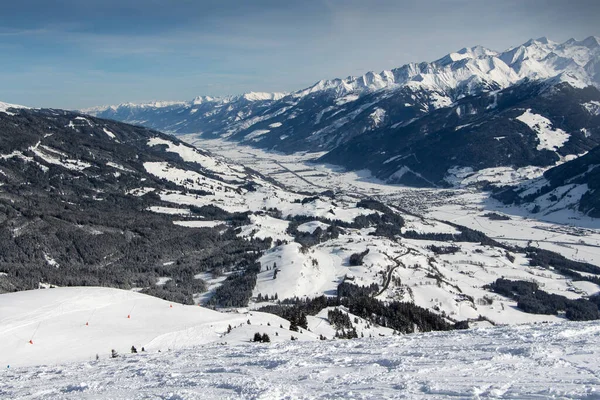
x=261 y=338
x=387 y=224
x=374 y=205
x=356 y=259
x=403 y=317
x=236 y=290
x=347 y=289
x=465 y=235
x=211 y=212
x=532 y=300
x=564 y=266
x=308 y=239
x=496 y=217
x=444 y=249
x=307 y=200
x=339 y=320
x=179 y=290
x=342 y=324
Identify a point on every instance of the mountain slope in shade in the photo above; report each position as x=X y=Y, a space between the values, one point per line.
x=486 y=137
x=572 y=185
x=424 y=124
x=80 y=205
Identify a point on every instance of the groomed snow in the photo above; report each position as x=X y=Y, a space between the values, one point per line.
x=75 y=324
x=110 y=134
x=169 y=210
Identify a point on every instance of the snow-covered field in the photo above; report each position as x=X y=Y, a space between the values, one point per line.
x=525 y=362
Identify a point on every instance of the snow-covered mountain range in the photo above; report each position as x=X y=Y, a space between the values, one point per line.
x=397 y=122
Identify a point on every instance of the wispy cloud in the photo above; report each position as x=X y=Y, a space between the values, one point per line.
x=77 y=53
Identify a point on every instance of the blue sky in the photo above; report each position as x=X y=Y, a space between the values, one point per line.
x=80 y=53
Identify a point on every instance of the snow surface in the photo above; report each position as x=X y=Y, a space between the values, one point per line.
x=5 y=106
x=191 y=154
x=526 y=362
x=549 y=137
x=198 y=224
x=75 y=324
x=169 y=210
x=593 y=107
x=109 y=133
x=311 y=226
x=377 y=117
x=465 y=176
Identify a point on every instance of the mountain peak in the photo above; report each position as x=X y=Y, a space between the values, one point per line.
x=591 y=42
x=262 y=96
x=543 y=40
x=204 y=99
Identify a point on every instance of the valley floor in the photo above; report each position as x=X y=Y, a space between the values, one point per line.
x=526 y=362
x=564 y=231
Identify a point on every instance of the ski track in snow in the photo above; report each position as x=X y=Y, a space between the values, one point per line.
x=526 y=362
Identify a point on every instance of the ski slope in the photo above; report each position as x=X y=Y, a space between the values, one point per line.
x=526 y=362
x=57 y=325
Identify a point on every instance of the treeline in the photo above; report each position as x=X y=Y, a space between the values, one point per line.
x=532 y=300
x=562 y=265
x=465 y=235
x=403 y=317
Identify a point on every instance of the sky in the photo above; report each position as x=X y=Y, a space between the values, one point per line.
x=80 y=53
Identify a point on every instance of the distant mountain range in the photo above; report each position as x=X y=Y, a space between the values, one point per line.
x=421 y=124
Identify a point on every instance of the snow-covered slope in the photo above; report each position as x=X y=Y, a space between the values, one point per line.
x=5 y=106
x=501 y=137
x=60 y=325
x=573 y=185
x=526 y=362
